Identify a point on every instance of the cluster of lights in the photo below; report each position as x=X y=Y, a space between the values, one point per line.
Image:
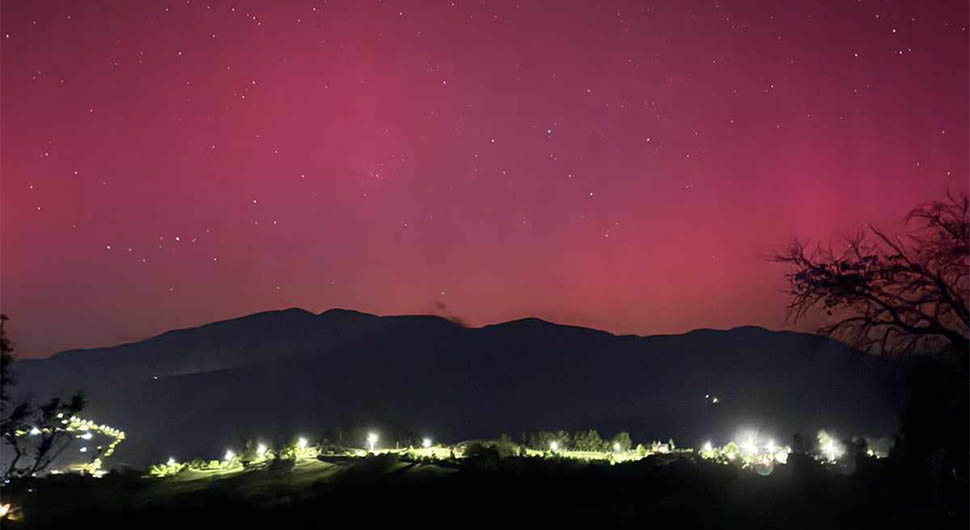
x=230 y=459
x=750 y=449
x=83 y=430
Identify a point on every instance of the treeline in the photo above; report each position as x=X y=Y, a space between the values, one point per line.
x=587 y=440
x=583 y=440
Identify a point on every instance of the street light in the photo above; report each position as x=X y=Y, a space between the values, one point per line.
x=301 y=443
x=230 y=454
x=749 y=443
x=371 y=440
x=426 y=443
x=553 y=446
x=616 y=447
x=261 y=449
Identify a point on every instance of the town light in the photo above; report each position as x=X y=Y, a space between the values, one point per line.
x=707 y=447
x=34 y=431
x=86 y=436
x=230 y=454
x=371 y=440
x=830 y=448
x=261 y=449
x=748 y=443
x=616 y=447
x=301 y=443
x=426 y=443
x=553 y=446
x=171 y=461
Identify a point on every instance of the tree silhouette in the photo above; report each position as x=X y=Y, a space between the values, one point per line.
x=34 y=435
x=892 y=295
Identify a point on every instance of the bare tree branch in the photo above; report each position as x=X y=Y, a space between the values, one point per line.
x=892 y=295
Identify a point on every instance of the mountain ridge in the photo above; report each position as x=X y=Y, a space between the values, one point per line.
x=192 y=390
x=343 y=313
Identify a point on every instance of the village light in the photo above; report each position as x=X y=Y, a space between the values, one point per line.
x=707 y=447
x=171 y=461
x=34 y=431
x=371 y=440
x=553 y=446
x=230 y=454
x=426 y=443
x=261 y=449
x=84 y=449
x=86 y=436
x=832 y=450
x=748 y=444
x=770 y=446
x=616 y=447
x=301 y=443
x=829 y=447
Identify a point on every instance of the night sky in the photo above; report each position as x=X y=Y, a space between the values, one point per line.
x=620 y=165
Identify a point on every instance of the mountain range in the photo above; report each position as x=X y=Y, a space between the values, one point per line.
x=193 y=392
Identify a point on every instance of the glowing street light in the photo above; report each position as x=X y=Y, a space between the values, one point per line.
x=748 y=443
x=261 y=449
x=553 y=446
x=230 y=454
x=171 y=461
x=617 y=447
x=301 y=443
x=426 y=443
x=34 y=431
x=707 y=447
x=86 y=436
x=770 y=446
x=830 y=448
x=371 y=440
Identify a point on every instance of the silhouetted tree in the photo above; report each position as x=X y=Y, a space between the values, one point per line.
x=892 y=295
x=904 y=295
x=34 y=436
x=588 y=441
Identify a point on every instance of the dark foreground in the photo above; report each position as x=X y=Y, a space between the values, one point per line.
x=383 y=491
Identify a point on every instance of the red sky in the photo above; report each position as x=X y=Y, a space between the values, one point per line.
x=621 y=165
